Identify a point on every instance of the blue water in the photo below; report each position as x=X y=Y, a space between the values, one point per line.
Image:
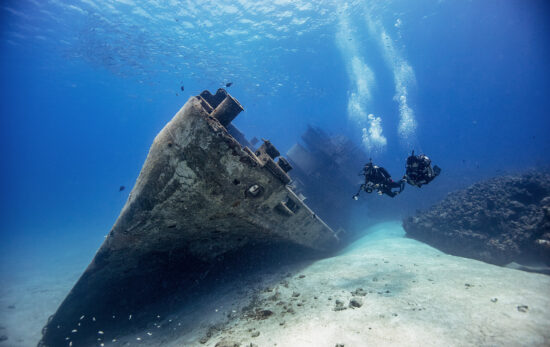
x=86 y=85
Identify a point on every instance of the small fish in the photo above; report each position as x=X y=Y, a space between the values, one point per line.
x=229 y=84
x=121 y=188
x=182 y=88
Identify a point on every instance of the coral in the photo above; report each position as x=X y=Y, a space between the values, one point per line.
x=501 y=220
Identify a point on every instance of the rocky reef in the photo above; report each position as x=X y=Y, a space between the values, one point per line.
x=502 y=220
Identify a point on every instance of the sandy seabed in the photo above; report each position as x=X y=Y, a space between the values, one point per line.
x=383 y=290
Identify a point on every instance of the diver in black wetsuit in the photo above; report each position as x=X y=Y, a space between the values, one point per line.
x=419 y=170
x=378 y=178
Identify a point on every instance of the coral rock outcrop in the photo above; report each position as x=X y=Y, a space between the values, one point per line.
x=501 y=220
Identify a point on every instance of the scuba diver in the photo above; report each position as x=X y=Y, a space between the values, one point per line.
x=378 y=178
x=419 y=170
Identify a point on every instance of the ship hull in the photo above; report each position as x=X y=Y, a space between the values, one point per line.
x=200 y=196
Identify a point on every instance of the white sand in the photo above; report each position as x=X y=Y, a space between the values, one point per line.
x=416 y=296
x=433 y=300
x=35 y=282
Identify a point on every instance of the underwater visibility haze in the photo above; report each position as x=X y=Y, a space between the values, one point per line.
x=86 y=86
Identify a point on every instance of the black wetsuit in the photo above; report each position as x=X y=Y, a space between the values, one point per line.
x=387 y=188
x=419 y=170
x=378 y=178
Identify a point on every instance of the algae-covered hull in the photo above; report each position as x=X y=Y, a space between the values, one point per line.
x=200 y=195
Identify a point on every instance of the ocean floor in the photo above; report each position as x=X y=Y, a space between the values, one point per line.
x=37 y=273
x=382 y=290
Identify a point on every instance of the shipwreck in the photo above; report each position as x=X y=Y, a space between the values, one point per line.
x=203 y=192
x=325 y=173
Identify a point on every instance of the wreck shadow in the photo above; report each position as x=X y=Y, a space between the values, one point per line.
x=132 y=307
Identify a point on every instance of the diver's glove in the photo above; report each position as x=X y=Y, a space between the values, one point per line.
x=356 y=197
